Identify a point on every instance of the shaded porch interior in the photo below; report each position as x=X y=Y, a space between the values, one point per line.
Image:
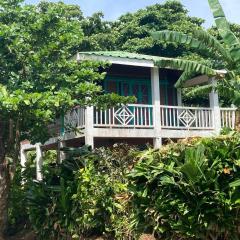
x=136 y=81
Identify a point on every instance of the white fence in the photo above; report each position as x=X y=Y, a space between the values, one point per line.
x=228 y=117
x=130 y=116
x=174 y=117
x=142 y=116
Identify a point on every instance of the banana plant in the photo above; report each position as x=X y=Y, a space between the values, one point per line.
x=226 y=52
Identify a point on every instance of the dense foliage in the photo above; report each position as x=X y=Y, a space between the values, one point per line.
x=131 y=32
x=133 y=29
x=190 y=190
x=223 y=51
x=186 y=190
x=39 y=77
x=85 y=196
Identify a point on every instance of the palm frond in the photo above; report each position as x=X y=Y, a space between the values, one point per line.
x=184 y=65
x=230 y=75
x=224 y=29
x=201 y=41
x=178 y=37
x=200 y=91
x=212 y=43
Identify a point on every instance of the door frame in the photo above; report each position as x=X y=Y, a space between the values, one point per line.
x=131 y=81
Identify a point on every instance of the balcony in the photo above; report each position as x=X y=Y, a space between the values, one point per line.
x=145 y=121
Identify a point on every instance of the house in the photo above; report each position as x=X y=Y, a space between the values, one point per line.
x=158 y=114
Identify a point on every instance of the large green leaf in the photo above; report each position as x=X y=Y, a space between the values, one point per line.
x=194 y=165
x=212 y=43
x=200 y=90
x=235 y=183
x=201 y=41
x=184 y=65
x=224 y=29
x=178 y=37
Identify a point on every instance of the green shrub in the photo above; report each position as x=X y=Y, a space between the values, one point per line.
x=189 y=190
x=17 y=212
x=102 y=194
x=86 y=195
x=49 y=202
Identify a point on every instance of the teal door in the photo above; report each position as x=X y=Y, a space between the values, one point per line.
x=140 y=88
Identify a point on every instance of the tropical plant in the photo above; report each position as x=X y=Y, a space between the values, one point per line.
x=84 y=196
x=189 y=190
x=131 y=31
x=49 y=203
x=186 y=190
x=225 y=54
x=17 y=211
x=108 y=210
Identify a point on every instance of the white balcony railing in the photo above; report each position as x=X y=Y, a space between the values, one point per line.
x=174 y=117
x=228 y=117
x=142 y=116
x=130 y=116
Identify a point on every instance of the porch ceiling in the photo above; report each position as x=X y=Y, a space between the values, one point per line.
x=135 y=59
x=196 y=81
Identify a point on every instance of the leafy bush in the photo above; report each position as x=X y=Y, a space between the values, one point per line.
x=189 y=190
x=49 y=202
x=17 y=212
x=84 y=196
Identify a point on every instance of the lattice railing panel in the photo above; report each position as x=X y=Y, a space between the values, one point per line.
x=130 y=116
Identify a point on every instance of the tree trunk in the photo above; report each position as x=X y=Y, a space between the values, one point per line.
x=4 y=185
x=4 y=193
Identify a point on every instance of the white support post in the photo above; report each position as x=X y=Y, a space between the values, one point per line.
x=214 y=104
x=23 y=160
x=39 y=162
x=157 y=141
x=89 y=138
x=234 y=123
x=60 y=154
x=179 y=97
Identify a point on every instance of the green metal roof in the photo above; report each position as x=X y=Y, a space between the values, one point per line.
x=122 y=54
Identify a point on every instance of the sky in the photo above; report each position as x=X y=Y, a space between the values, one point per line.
x=112 y=9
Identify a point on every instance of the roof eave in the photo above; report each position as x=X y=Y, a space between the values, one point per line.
x=116 y=60
x=81 y=56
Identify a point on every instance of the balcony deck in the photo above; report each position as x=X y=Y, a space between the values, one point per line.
x=144 y=121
